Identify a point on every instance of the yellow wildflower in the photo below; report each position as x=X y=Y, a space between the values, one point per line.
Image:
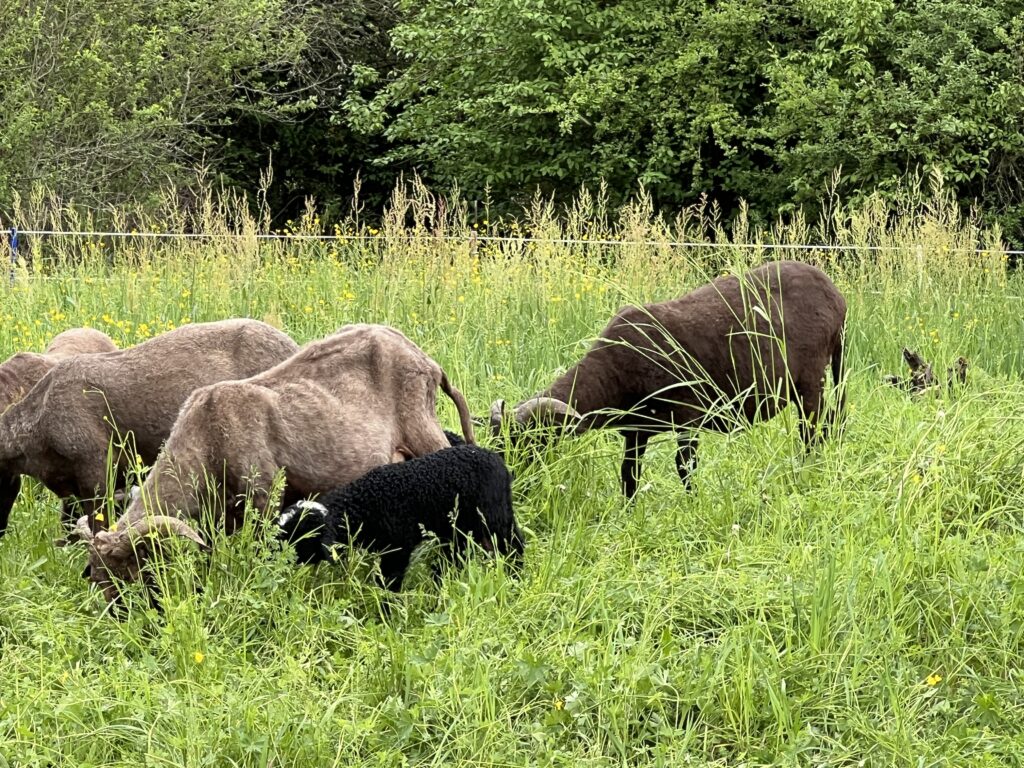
x=198 y=657
x=933 y=679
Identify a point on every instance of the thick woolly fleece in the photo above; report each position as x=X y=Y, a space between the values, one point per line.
x=460 y=491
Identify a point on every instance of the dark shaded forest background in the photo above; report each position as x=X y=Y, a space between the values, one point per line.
x=110 y=103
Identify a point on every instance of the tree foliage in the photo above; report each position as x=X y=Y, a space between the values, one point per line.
x=739 y=98
x=312 y=145
x=107 y=100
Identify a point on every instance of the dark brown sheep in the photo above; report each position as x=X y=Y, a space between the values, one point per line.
x=60 y=433
x=20 y=372
x=362 y=397
x=720 y=356
x=922 y=376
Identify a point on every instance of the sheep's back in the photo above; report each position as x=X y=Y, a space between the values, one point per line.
x=730 y=336
x=427 y=487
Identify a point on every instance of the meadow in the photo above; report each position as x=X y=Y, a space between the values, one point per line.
x=859 y=605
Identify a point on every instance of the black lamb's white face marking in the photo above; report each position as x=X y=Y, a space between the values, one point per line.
x=312 y=505
x=305 y=505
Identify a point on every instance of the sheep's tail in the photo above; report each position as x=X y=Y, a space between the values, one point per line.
x=461 y=406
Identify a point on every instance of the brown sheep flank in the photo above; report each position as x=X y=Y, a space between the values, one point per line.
x=731 y=351
x=61 y=431
x=362 y=397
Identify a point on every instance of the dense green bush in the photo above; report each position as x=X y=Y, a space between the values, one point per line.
x=739 y=99
x=107 y=100
x=772 y=103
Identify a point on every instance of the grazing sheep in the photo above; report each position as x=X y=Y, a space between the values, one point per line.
x=362 y=397
x=458 y=492
x=61 y=431
x=20 y=372
x=731 y=351
x=922 y=377
x=80 y=341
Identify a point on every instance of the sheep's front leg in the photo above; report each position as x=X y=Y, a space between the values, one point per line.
x=91 y=490
x=636 y=446
x=686 y=456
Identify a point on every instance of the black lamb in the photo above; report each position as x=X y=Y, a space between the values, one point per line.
x=457 y=493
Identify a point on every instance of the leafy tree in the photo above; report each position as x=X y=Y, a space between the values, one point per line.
x=312 y=146
x=107 y=100
x=891 y=87
x=737 y=98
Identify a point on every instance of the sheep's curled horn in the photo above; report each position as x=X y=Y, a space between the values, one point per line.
x=535 y=409
x=163 y=525
x=160 y=525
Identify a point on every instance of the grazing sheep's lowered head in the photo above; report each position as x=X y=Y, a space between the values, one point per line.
x=304 y=524
x=536 y=412
x=120 y=555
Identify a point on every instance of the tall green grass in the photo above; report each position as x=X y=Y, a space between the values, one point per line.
x=861 y=605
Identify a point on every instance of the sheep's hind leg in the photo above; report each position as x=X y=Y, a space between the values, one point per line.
x=636 y=446
x=810 y=402
x=686 y=456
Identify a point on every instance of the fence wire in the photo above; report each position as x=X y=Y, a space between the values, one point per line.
x=13 y=234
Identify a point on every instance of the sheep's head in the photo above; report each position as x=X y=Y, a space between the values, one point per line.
x=535 y=419
x=514 y=546
x=498 y=534
x=303 y=525
x=121 y=553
